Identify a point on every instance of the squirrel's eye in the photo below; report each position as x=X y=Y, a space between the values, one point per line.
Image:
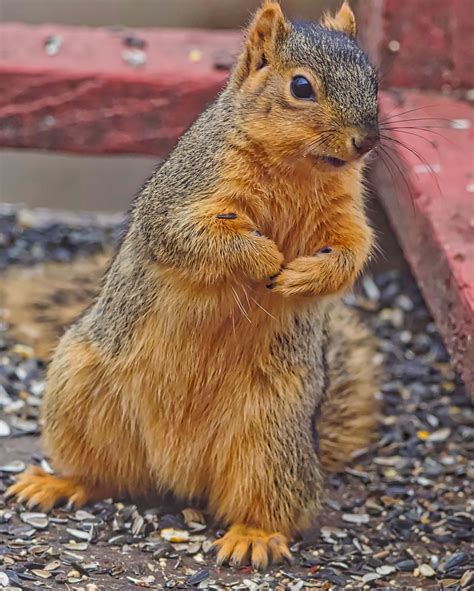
x=301 y=88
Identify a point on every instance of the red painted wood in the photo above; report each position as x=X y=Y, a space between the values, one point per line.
x=434 y=217
x=425 y=44
x=88 y=99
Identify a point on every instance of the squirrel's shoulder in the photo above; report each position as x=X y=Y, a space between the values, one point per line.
x=193 y=165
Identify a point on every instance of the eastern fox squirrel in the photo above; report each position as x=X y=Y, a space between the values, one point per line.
x=217 y=361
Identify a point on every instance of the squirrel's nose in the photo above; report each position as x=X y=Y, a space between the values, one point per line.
x=365 y=142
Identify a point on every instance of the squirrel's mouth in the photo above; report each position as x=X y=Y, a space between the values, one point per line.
x=337 y=162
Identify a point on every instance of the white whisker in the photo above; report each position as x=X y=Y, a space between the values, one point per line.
x=239 y=304
x=262 y=308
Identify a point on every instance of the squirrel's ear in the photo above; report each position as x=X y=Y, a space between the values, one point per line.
x=268 y=28
x=343 y=21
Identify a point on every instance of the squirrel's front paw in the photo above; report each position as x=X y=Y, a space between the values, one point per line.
x=242 y=545
x=258 y=256
x=266 y=260
x=305 y=276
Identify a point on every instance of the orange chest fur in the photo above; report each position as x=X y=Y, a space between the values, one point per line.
x=301 y=212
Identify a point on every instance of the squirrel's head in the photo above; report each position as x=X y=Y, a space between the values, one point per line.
x=307 y=90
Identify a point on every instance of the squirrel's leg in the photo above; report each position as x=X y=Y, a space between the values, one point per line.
x=266 y=479
x=270 y=491
x=333 y=268
x=94 y=449
x=212 y=240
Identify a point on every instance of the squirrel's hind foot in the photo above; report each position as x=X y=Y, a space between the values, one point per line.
x=242 y=544
x=37 y=488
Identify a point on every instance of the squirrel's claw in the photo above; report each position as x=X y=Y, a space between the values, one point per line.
x=226 y=216
x=300 y=277
x=291 y=283
x=242 y=544
x=273 y=278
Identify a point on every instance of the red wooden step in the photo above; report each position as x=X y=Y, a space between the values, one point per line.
x=87 y=98
x=425 y=44
x=433 y=212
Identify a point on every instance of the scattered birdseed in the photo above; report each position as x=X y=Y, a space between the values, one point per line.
x=460 y=124
x=34 y=236
x=134 y=57
x=37 y=520
x=426 y=570
x=174 y=535
x=427 y=168
x=356 y=518
x=195 y=55
x=52 y=45
x=134 y=41
x=14 y=467
x=5 y=429
x=394 y=46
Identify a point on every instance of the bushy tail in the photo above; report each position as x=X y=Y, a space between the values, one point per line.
x=348 y=416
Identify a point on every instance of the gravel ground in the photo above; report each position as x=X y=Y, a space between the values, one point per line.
x=30 y=237
x=400 y=517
